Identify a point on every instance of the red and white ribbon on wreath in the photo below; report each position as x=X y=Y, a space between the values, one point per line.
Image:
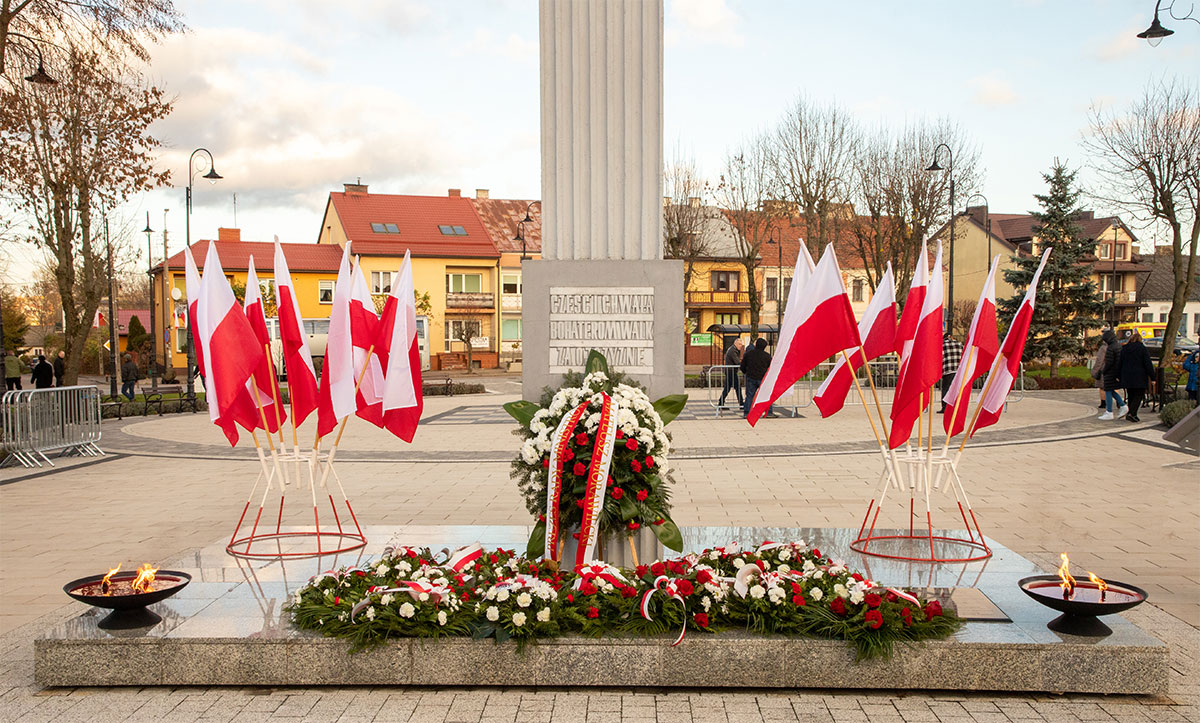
x=464 y=556
x=559 y=441
x=597 y=480
x=598 y=571
x=670 y=587
x=905 y=596
x=414 y=588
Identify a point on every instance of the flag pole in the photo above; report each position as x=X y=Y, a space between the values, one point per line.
x=929 y=476
x=887 y=457
x=963 y=390
x=338 y=439
x=262 y=415
x=275 y=394
x=889 y=454
x=979 y=405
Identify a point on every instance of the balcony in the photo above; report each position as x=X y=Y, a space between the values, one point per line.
x=718 y=298
x=1121 y=298
x=510 y=302
x=470 y=300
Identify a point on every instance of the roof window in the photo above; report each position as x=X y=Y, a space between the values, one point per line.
x=385 y=228
x=452 y=230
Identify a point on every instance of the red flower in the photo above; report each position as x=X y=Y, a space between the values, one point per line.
x=703 y=577
x=874 y=619
x=411 y=553
x=838 y=606
x=658 y=569
x=579 y=469
x=761 y=565
x=873 y=600
x=702 y=619
x=816 y=553
x=360 y=573
x=643 y=570
x=856 y=576
x=546 y=463
x=541 y=518
x=633 y=525
x=933 y=610
x=659 y=521
x=798 y=600
x=631 y=444
x=579 y=504
x=568 y=454
x=617 y=493
x=575 y=535
x=337 y=600
x=493 y=558
x=649 y=461
x=570 y=597
x=593 y=612
x=581 y=438
x=906 y=616
x=642 y=495
x=685 y=588
x=466 y=595
x=587 y=588
x=796 y=588
x=620 y=434
x=635 y=465
x=628 y=591
x=891 y=596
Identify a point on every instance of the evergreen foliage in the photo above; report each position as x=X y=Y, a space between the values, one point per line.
x=137 y=339
x=1068 y=303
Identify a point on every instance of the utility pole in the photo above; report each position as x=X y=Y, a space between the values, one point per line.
x=112 y=318
x=168 y=318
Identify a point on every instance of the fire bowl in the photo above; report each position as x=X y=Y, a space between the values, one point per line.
x=129 y=611
x=1080 y=611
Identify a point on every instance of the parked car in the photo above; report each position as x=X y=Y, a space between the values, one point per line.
x=318 y=336
x=1152 y=337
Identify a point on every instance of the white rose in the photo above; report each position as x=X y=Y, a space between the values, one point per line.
x=524 y=600
x=543 y=615
x=371 y=612
x=441 y=617
x=493 y=613
x=518 y=619
x=816 y=593
x=407 y=610
x=757 y=592
x=502 y=595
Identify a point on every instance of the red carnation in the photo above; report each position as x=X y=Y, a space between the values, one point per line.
x=570 y=597
x=642 y=495
x=658 y=569
x=579 y=504
x=617 y=493
x=874 y=619
x=466 y=595
x=704 y=577
x=628 y=591
x=631 y=444
x=873 y=600
x=856 y=576
x=659 y=521
x=635 y=465
x=633 y=525
x=838 y=606
x=593 y=612
x=796 y=588
x=620 y=434
x=581 y=438
x=493 y=558
x=541 y=518
x=411 y=553
x=906 y=616
x=579 y=469
x=816 y=553
x=575 y=535
x=649 y=461
x=337 y=600
x=933 y=609
x=568 y=454
x=702 y=619
x=891 y=596
x=546 y=463
x=685 y=588
x=587 y=588
x=798 y=600
x=642 y=570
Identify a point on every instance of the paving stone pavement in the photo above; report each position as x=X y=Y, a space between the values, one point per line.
x=1049 y=478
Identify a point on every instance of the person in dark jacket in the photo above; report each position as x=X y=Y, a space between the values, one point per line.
x=952 y=351
x=60 y=368
x=129 y=377
x=1135 y=372
x=43 y=374
x=733 y=358
x=755 y=363
x=1110 y=377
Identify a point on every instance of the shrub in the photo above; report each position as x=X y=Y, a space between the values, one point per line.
x=1057 y=383
x=1177 y=410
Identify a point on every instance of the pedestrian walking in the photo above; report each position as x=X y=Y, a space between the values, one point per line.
x=1097 y=369
x=755 y=363
x=952 y=351
x=1191 y=365
x=733 y=360
x=12 y=371
x=60 y=368
x=1135 y=373
x=129 y=377
x=1110 y=377
x=43 y=374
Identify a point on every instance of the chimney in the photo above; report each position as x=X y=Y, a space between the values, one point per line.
x=481 y=194
x=1087 y=215
x=455 y=193
x=356 y=187
x=976 y=213
x=229 y=234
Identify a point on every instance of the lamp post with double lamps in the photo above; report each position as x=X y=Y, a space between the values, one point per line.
x=212 y=177
x=935 y=166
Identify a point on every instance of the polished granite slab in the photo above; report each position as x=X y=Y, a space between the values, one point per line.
x=227 y=628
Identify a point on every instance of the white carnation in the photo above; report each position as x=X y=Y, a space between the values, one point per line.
x=816 y=593
x=441 y=617
x=386 y=599
x=407 y=610
x=785 y=555
x=856 y=596
x=529 y=452
x=543 y=615
x=757 y=592
x=423 y=597
x=518 y=619
x=371 y=612
x=493 y=613
x=524 y=600
x=738 y=563
x=841 y=591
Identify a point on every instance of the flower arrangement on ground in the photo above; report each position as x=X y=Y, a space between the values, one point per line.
x=635 y=493
x=775 y=588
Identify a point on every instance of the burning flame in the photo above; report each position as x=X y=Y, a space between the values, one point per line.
x=1100 y=584
x=144 y=579
x=1068 y=582
x=104 y=584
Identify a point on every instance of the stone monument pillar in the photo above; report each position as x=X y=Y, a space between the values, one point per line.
x=602 y=282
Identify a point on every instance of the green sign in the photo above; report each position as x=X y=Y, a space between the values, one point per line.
x=701 y=340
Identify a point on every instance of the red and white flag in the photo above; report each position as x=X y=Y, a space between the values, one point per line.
x=193 y=287
x=817 y=326
x=336 y=398
x=921 y=366
x=297 y=359
x=1008 y=364
x=877 y=329
x=98 y=320
x=231 y=352
x=978 y=354
x=266 y=385
x=402 y=399
x=364 y=335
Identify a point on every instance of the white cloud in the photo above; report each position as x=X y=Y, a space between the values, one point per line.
x=703 y=22
x=992 y=90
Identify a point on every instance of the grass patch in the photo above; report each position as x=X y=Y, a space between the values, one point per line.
x=1079 y=372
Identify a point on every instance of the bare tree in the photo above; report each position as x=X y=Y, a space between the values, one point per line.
x=745 y=192
x=465 y=332
x=1148 y=160
x=684 y=234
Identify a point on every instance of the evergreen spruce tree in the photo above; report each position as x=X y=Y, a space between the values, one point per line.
x=1068 y=303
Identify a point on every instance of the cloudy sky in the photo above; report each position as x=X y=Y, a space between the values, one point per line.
x=295 y=97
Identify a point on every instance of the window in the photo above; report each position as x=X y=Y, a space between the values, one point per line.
x=325 y=292
x=693 y=322
x=266 y=287
x=1162 y=318
x=787 y=288
x=464 y=283
x=316 y=326
x=725 y=280
x=728 y=319
x=181 y=341
x=385 y=228
x=1104 y=251
x=448 y=230
x=510 y=283
x=1120 y=251
x=510 y=330
x=858 y=290
x=1147 y=318
x=1111 y=282
x=456 y=327
x=381 y=282
x=772 y=289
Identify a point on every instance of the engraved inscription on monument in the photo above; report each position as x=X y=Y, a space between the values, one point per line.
x=617 y=321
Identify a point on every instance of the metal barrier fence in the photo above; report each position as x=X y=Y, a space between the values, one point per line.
x=36 y=421
x=884 y=370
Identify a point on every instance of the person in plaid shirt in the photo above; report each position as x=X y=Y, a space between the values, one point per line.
x=952 y=352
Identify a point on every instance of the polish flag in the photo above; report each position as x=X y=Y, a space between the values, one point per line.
x=817 y=326
x=364 y=334
x=921 y=366
x=1008 y=364
x=297 y=359
x=266 y=386
x=801 y=274
x=194 y=287
x=402 y=401
x=911 y=314
x=231 y=352
x=877 y=329
x=98 y=320
x=336 y=396
x=978 y=353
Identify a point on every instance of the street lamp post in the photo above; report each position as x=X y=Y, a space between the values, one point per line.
x=150 y=287
x=773 y=240
x=212 y=177
x=950 y=171
x=1112 y=281
x=112 y=318
x=40 y=77
x=987 y=222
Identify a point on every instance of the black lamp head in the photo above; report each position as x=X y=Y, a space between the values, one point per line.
x=1156 y=32
x=212 y=175
x=41 y=77
x=935 y=166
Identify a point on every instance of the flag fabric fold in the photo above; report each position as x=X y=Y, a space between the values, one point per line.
x=818 y=325
x=265 y=381
x=336 y=398
x=402 y=399
x=921 y=361
x=1008 y=364
x=297 y=359
x=364 y=334
x=877 y=329
x=978 y=353
x=193 y=287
